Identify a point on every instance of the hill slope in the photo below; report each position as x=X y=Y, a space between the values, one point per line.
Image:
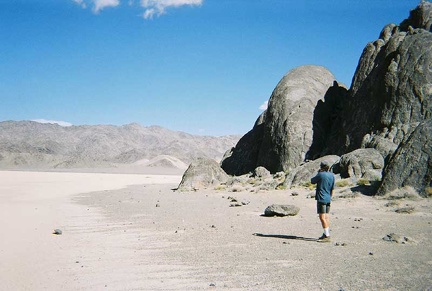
x=27 y=144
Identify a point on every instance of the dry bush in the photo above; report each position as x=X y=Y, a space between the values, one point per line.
x=343 y=183
x=363 y=182
x=309 y=185
x=428 y=191
x=220 y=187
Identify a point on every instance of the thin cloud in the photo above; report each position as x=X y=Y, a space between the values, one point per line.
x=61 y=123
x=101 y=4
x=159 y=7
x=81 y=3
x=152 y=8
x=264 y=106
x=98 y=5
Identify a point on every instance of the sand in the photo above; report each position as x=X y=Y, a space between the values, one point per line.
x=133 y=232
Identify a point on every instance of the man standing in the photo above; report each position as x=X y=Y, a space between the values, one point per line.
x=325 y=181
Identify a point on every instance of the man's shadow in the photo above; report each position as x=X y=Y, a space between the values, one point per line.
x=293 y=237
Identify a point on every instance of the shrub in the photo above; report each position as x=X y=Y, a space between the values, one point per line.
x=343 y=183
x=363 y=182
x=428 y=191
x=309 y=185
x=220 y=187
x=252 y=181
x=281 y=187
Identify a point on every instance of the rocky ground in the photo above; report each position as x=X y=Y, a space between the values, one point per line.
x=205 y=240
x=149 y=237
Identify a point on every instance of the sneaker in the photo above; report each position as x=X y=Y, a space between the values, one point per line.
x=323 y=238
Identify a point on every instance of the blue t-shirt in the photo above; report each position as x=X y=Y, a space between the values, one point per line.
x=325 y=184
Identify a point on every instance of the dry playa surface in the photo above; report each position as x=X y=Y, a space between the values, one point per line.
x=133 y=232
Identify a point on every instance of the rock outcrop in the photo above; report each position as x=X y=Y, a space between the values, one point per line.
x=391 y=90
x=202 y=173
x=362 y=163
x=243 y=158
x=388 y=107
x=380 y=127
x=282 y=136
x=411 y=165
x=328 y=115
x=303 y=173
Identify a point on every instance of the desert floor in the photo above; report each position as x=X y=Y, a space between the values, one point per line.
x=133 y=232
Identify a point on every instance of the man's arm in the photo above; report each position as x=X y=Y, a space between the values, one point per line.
x=334 y=185
x=315 y=179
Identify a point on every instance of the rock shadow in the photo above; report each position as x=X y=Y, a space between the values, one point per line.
x=367 y=190
x=282 y=236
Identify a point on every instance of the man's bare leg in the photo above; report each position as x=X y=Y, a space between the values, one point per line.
x=325 y=222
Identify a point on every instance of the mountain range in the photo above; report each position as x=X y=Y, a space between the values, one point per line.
x=29 y=144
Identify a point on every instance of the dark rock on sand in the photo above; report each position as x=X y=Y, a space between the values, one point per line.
x=406 y=209
x=396 y=238
x=57 y=231
x=281 y=210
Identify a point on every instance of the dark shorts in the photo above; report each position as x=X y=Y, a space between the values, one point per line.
x=323 y=207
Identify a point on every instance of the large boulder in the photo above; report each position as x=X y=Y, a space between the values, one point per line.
x=262 y=172
x=412 y=163
x=362 y=163
x=303 y=173
x=327 y=117
x=202 y=173
x=288 y=125
x=282 y=136
x=242 y=158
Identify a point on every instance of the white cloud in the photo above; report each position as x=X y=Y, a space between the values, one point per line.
x=101 y=4
x=61 y=123
x=264 y=106
x=152 y=7
x=158 y=7
x=148 y=14
x=80 y=3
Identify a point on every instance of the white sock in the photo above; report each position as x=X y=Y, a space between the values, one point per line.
x=327 y=231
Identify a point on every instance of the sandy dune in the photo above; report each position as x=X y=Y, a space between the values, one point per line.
x=148 y=237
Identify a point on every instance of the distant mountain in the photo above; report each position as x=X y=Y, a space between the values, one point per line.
x=28 y=144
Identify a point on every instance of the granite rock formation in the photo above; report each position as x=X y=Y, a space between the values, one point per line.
x=282 y=136
x=362 y=163
x=242 y=158
x=390 y=101
x=411 y=165
x=303 y=173
x=202 y=173
x=387 y=110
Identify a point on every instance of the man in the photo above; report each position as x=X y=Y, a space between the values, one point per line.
x=325 y=181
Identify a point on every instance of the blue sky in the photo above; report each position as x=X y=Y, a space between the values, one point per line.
x=199 y=66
